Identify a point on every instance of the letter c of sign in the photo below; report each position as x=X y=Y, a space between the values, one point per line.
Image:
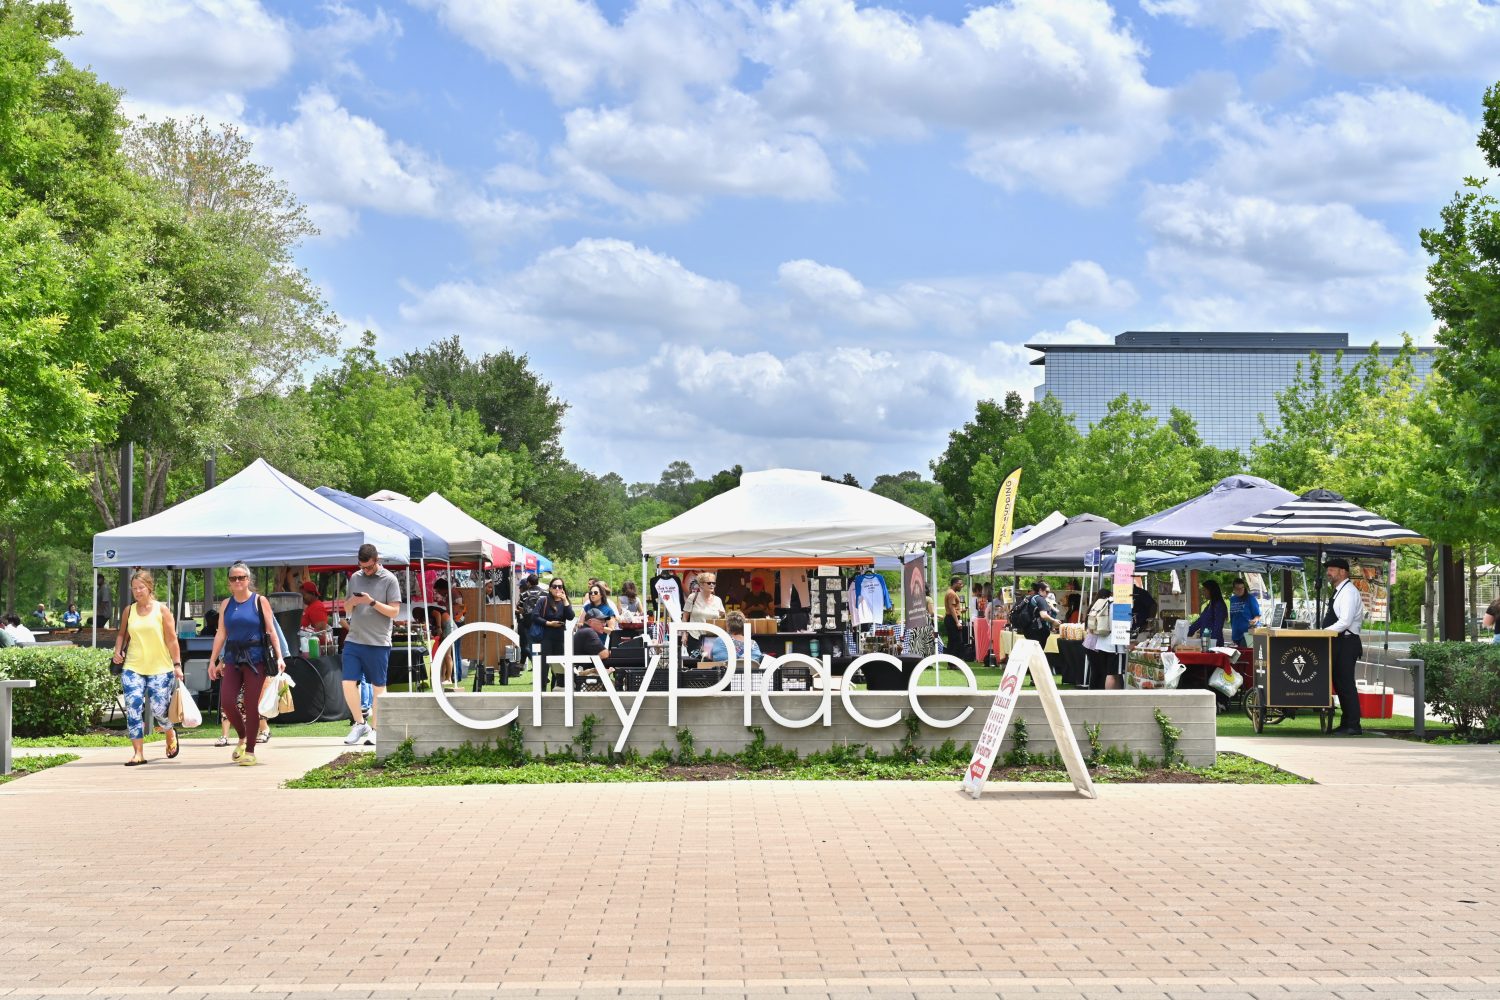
x=446 y=647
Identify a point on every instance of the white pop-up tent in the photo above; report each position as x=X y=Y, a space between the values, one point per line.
x=796 y=515
x=259 y=516
x=469 y=542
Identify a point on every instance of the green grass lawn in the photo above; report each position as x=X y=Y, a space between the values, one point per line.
x=1237 y=723
x=22 y=766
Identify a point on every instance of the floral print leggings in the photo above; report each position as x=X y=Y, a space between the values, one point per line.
x=159 y=686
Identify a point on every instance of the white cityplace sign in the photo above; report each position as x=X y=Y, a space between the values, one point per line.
x=627 y=705
x=1026 y=655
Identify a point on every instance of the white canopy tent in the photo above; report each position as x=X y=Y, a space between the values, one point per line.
x=260 y=516
x=468 y=541
x=792 y=514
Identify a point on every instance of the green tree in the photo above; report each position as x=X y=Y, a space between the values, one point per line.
x=512 y=401
x=71 y=253
x=1128 y=465
x=983 y=452
x=1464 y=292
x=233 y=317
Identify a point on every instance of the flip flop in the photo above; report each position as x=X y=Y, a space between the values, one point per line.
x=174 y=745
x=135 y=763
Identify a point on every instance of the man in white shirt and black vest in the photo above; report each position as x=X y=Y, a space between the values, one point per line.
x=1346 y=616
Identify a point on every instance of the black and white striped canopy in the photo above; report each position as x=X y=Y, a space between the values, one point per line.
x=1320 y=517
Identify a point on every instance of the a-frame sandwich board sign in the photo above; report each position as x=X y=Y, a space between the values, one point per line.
x=1026 y=655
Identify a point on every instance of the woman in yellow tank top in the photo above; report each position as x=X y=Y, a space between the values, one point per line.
x=153 y=664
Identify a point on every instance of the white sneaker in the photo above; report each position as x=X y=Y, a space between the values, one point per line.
x=358 y=731
x=369 y=737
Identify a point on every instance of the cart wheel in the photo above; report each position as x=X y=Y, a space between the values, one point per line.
x=1254 y=710
x=1325 y=720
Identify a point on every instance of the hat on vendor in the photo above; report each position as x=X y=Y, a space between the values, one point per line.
x=1337 y=562
x=596 y=615
x=310 y=587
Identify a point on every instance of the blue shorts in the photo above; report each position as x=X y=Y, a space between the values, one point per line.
x=367 y=663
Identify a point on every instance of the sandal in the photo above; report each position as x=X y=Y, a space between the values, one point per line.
x=239 y=751
x=222 y=741
x=174 y=745
x=264 y=737
x=134 y=762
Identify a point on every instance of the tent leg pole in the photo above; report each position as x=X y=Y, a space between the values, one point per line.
x=931 y=556
x=94 y=638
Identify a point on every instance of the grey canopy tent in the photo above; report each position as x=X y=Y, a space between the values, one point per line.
x=1062 y=550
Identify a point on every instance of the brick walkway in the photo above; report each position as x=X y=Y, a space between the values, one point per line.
x=196 y=879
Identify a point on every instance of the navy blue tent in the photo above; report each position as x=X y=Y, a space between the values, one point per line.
x=1062 y=550
x=425 y=543
x=1189 y=527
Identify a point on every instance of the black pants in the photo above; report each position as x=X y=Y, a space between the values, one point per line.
x=1347 y=649
x=952 y=636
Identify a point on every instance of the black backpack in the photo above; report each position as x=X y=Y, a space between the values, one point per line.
x=1023 y=617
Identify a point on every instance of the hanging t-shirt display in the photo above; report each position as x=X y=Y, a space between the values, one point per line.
x=868 y=599
x=666 y=584
x=793 y=591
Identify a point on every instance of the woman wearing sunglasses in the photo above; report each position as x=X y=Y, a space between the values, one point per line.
x=553 y=614
x=598 y=598
x=245 y=624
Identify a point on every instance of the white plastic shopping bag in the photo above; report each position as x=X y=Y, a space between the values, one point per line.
x=1172 y=670
x=1226 y=681
x=192 y=716
x=271 y=692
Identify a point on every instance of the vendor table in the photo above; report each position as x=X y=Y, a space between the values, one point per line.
x=1070 y=662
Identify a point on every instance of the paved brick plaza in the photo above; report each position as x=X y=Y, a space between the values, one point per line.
x=1352 y=888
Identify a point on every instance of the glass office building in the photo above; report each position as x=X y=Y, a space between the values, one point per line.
x=1225 y=380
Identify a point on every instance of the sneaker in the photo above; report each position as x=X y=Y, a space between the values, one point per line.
x=247 y=760
x=357 y=732
x=369 y=737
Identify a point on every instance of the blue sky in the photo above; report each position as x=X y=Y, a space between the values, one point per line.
x=815 y=232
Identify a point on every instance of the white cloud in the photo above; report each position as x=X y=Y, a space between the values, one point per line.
x=571 y=48
x=1384 y=145
x=830 y=294
x=331 y=43
x=1364 y=37
x=1075 y=332
x=330 y=154
x=169 y=51
x=1046 y=95
x=1049 y=94
x=729 y=147
x=594 y=287
x=1084 y=284
x=1227 y=259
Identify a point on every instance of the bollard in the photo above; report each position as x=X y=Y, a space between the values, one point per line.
x=1418 y=695
x=6 y=687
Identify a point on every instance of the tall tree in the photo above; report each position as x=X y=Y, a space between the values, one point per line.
x=512 y=401
x=1129 y=465
x=236 y=318
x=1464 y=292
x=71 y=253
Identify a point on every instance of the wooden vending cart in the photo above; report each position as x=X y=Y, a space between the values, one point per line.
x=1293 y=672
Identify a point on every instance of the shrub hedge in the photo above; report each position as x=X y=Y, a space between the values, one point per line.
x=72 y=687
x=1463 y=685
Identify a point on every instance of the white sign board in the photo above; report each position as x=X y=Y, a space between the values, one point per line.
x=1026 y=655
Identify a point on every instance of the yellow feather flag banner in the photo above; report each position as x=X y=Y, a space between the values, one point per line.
x=1005 y=512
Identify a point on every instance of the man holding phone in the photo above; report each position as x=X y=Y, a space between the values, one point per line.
x=373 y=603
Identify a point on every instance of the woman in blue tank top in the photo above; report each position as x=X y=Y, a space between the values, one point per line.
x=239 y=658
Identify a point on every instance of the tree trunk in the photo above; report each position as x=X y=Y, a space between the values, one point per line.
x=72 y=582
x=1473 y=603
x=1429 y=598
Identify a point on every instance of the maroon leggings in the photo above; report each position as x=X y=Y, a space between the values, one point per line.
x=247 y=723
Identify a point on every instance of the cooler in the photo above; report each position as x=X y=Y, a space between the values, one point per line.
x=1376 y=702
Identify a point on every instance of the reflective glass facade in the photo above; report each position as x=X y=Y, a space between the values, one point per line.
x=1225 y=386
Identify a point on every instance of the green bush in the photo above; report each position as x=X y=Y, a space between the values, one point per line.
x=1406 y=596
x=72 y=687
x=1463 y=685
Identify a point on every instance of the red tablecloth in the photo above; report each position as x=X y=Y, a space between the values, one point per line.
x=1211 y=660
